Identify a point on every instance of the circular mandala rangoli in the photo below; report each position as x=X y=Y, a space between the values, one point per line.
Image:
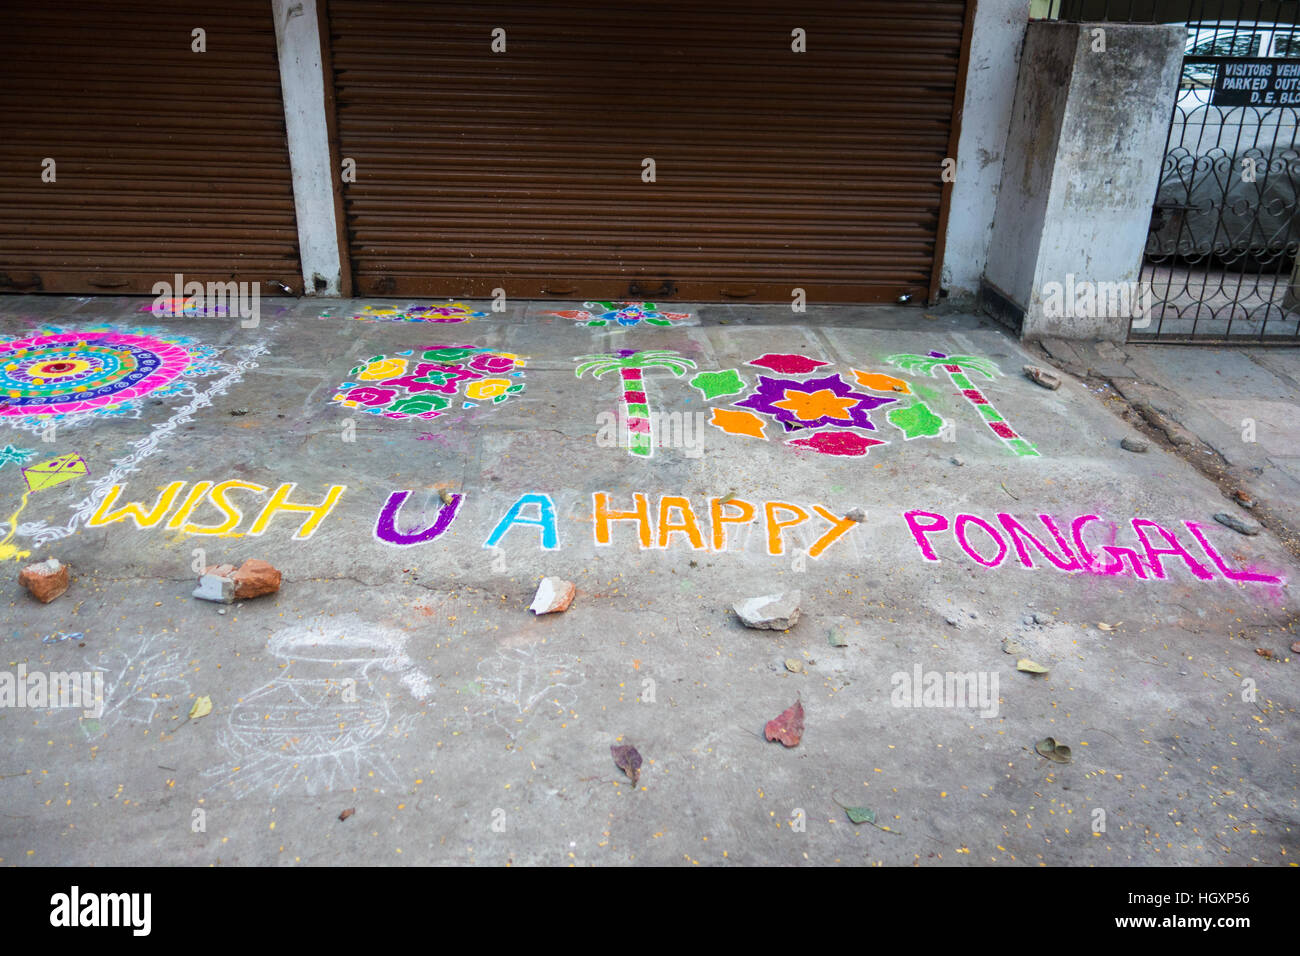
x=80 y=371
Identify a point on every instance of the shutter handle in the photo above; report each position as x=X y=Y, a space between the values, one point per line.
x=665 y=288
x=107 y=283
x=738 y=294
x=9 y=282
x=567 y=290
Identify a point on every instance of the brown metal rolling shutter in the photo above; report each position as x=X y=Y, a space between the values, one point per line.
x=167 y=161
x=523 y=169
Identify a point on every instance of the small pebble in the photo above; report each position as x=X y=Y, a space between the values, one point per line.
x=957 y=461
x=1236 y=524
x=1044 y=377
x=1134 y=444
x=1243 y=499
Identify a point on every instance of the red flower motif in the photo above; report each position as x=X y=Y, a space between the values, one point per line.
x=787 y=364
x=433 y=377
x=492 y=364
x=370 y=395
x=838 y=443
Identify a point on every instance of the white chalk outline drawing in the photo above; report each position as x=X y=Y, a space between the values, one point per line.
x=139 y=681
x=41 y=532
x=518 y=679
x=302 y=732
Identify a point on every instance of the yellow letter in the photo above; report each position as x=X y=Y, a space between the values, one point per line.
x=191 y=501
x=280 y=502
x=133 y=510
x=218 y=498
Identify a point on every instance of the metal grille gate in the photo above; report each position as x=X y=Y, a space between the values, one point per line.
x=1221 y=255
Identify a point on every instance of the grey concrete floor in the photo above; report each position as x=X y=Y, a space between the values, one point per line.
x=412 y=685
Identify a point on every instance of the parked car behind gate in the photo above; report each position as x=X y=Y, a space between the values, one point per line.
x=1207 y=204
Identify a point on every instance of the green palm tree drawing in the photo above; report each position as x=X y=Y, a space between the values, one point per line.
x=957 y=366
x=630 y=364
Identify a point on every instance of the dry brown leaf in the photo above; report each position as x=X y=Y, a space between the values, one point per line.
x=787 y=727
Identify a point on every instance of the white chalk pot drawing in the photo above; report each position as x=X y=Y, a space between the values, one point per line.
x=520 y=682
x=321 y=723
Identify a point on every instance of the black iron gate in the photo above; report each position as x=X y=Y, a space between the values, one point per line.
x=1221 y=256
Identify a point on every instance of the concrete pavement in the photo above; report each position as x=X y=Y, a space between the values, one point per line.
x=398 y=672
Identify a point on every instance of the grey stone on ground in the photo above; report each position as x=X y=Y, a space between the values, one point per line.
x=773 y=612
x=1043 y=377
x=215 y=587
x=553 y=595
x=1134 y=444
x=1236 y=524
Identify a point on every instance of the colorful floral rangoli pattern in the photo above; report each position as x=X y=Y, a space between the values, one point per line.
x=183 y=307
x=61 y=375
x=427 y=385
x=626 y=314
x=812 y=403
x=447 y=314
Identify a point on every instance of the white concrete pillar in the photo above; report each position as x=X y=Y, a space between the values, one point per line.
x=1079 y=177
x=997 y=35
x=302 y=79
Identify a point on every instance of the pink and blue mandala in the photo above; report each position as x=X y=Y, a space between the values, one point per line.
x=71 y=376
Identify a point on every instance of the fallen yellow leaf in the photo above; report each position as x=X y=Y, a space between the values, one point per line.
x=202 y=707
x=1029 y=667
